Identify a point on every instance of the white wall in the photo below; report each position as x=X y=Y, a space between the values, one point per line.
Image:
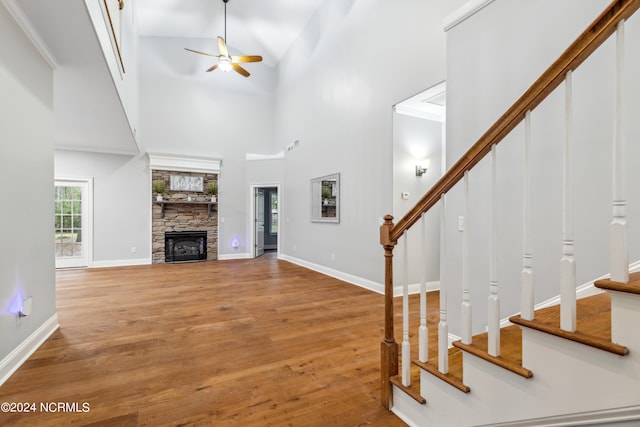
x=492 y=58
x=26 y=152
x=338 y=84
x=415 y=139
x=122 y=203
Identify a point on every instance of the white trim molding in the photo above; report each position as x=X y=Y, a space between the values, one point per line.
x=414 y=288
x=121 y=262
x=99 y=150
x=175 y=162
x=346 y=277
x=242 y=255
x=20 y=354
x=594 y=418
x=582 y=291
x=465 y=12
x=255 y=156
x=25 y=23
x=434 y=114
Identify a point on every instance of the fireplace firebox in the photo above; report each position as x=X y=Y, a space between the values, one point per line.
x=183 y=246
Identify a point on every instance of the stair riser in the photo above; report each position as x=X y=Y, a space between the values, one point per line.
x=577 y=377
x=625 y=318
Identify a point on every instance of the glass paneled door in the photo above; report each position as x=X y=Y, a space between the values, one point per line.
x=71 y=223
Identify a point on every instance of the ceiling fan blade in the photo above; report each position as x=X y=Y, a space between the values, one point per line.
x=222 y=46
x=213 y=67
x=201 y=53
x=246 y=58
x=240 y=70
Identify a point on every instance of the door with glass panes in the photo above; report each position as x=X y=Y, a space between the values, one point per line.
x=71 y=223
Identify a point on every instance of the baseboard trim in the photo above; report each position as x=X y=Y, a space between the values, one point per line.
x=121 y=262
x=593 y=418
x=341 y=275
x=414 y=288
x=20 y=354
x=582 y=291
x=400 y=414
x=243 y=255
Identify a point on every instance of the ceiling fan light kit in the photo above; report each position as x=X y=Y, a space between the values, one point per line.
x=228 y=62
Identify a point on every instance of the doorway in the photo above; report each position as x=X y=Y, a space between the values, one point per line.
x=72 y=232
x=266 y=220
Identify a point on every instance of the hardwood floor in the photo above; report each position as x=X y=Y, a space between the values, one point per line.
x=246 y=342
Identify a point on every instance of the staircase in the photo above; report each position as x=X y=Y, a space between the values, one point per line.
x=574 y=363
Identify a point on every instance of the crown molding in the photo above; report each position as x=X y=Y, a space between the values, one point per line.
x=254 y=156
x=465 y=12
x=25 y=23
x=436 y=115
x=173 y=162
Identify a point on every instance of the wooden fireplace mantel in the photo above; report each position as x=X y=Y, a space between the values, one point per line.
x=162 y=204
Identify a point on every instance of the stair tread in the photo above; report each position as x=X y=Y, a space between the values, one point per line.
x=633 y=287
x=593 y=323
x=454 y=376
x=412 y=390
x=510 y=357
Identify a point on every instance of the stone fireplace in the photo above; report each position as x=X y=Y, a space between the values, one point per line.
x=184 y=211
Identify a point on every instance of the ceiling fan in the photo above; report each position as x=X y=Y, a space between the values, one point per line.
x=227 y=62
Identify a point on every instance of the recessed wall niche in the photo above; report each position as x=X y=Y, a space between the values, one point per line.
x=193 y=212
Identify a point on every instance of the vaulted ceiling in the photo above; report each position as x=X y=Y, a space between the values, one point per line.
x=90 y=117
x=258 y=27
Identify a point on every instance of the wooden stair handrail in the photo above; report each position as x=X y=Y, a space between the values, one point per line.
x=596 y=34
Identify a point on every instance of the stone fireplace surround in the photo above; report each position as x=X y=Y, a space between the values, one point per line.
x=182 y=216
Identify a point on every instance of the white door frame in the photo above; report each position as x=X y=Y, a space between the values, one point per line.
x=87 y=213
x=252 y=217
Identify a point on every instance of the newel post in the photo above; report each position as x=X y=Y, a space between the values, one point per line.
x=389 y=346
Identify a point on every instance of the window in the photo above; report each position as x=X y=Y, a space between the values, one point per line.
x=273 y=225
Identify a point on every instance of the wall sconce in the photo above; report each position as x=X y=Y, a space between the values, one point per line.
x=422 y=167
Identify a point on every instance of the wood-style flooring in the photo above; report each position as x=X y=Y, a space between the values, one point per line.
x=246 y=342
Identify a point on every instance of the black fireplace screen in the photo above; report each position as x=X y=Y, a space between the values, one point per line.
x=180 y=246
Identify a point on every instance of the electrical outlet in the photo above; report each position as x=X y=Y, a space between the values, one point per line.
x=27 y=306
x=333 y=257
x=133 y=249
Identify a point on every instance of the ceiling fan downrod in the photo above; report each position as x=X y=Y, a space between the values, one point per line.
x=225 y=19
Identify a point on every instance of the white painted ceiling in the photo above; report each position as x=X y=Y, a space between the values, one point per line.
x=254 y=27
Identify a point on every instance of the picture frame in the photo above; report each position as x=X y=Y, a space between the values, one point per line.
x=186 y=183
x=325 y=198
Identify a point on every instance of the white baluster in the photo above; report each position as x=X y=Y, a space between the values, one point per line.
x=443 y=326
x=493 y=314
x=619 y=252
x=423 y=332
x=526 y=276
x=466 y=292
x=406 y=347
x=567 y=264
